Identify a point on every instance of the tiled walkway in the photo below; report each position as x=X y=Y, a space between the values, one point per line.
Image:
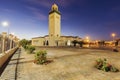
x=68 y=64
x=10 y=72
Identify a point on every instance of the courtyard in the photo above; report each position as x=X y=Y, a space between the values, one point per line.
x=67 y=64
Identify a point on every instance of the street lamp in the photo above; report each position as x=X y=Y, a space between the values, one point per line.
x=88 y=41
x=113 y=35
x=87 y=38
x=5 y=24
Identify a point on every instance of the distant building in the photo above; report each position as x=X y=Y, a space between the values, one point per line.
x=118 y=42
x=54 y=38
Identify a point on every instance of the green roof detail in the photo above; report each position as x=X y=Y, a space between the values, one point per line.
x=54 y=11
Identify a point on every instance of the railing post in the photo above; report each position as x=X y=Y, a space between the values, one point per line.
x=4 y=34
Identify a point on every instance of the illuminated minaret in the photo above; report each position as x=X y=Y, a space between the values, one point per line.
x=54 y=25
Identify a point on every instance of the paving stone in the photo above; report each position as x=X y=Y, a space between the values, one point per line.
x=10 y=71
x=68 y=64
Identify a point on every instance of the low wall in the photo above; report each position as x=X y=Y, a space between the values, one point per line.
x=4 y=56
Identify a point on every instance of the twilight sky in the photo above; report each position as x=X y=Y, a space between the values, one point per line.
x=94 y=18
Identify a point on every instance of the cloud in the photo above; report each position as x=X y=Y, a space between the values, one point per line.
x=48 y=3
x=6 y=10
x=65 y=3
x=44 y=3
x=37 y=13
x=40 y=16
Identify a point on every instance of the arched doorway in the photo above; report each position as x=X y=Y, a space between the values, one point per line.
x=47 y=43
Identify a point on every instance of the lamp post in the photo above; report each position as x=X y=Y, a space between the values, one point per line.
x=87 y=40
x=6 y=24
x=113 y=35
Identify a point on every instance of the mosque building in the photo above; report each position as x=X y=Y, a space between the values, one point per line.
x=54 y=38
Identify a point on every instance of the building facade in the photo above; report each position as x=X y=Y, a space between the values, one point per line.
x=54 y=38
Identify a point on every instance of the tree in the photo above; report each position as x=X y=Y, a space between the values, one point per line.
x=24 y=43
x=74 y=42
x=81 y=43
x=30 y=49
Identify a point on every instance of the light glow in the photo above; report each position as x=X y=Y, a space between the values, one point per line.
x=5 y=24
x=113 y=34
x=87 y=37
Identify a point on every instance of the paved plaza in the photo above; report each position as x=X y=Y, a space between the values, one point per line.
x=68 y=64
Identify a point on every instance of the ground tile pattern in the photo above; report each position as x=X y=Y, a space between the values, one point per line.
x=68 y=64
x=11 y=71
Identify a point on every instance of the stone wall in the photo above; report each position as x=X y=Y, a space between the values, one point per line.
x=4 y=56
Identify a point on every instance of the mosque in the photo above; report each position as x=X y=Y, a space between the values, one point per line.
x=54 y=38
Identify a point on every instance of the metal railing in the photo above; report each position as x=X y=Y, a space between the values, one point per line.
x=6 y=44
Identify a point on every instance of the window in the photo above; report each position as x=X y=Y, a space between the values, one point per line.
x=35 y=41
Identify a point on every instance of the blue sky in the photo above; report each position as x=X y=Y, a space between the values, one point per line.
x=94 y=18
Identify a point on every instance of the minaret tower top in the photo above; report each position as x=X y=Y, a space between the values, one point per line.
x=54 y=8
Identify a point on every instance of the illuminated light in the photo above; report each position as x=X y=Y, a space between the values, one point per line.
x=5 y=24
x=87 y=37
x=113 y=34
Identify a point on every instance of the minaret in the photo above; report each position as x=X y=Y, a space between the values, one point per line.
x=54 y=25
